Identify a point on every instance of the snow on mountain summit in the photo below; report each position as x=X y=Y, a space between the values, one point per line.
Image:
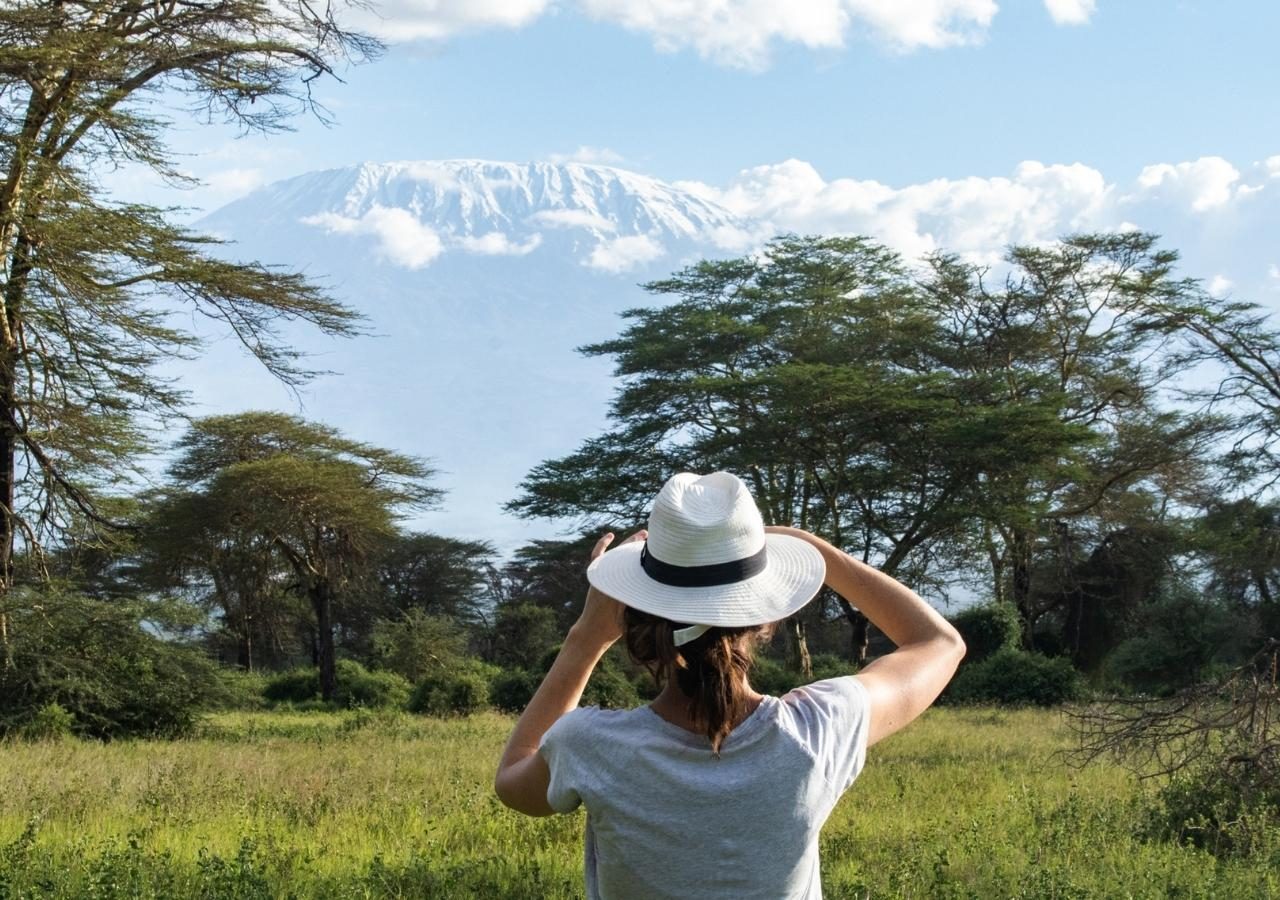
x=415 y=211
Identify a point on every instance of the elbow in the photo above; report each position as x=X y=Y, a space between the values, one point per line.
x=954 y=643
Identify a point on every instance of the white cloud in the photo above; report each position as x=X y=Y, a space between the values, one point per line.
x=599 y=156
x=573 y=218
x=738 y=33
x=495 y=243
x=623 y=253
x=401 y=238
x=228 y=184
x=1206 y=183
x=410 y=20
x=1070 y=12
x=1219 y=285
x=976 y=216
x=1201 y=201
x=741 y=32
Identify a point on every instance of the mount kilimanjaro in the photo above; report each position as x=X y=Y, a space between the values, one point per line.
x=478 y=280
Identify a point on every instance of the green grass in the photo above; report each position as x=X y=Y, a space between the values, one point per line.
x=965 y=803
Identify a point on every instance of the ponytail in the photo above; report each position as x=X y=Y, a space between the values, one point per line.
x=711 y=670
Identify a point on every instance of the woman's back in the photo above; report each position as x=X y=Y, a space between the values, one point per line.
x=667 y=818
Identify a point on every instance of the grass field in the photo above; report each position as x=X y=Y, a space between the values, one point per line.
x=965 y=803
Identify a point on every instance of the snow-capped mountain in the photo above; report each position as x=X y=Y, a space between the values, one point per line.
x=478 y=280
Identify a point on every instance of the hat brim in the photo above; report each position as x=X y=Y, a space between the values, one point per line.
x=791 y=578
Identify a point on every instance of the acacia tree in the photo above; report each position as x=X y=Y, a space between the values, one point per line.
x=1070 y=331
x=818 y=372
x=320 y=503
x=90 y=287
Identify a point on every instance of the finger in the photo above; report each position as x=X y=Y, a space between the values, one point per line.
x=602 y=544
x=640 y=535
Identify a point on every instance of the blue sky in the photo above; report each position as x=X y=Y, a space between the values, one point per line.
x=1140 y=82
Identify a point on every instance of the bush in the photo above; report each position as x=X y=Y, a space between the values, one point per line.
x=238 y=689
x=768 y=676
x=828 y=665
x=988 y=629
x=1015 y=678
x=50 y=723
x=293 y=686
x=357 y=686
x=1178 y=640
x=512 y=689
x=523 y=633
x=418 y=644
x=1227 y=810
x=460 y=692
x=103 y=663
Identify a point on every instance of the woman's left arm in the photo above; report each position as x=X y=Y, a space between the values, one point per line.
x=523 y=776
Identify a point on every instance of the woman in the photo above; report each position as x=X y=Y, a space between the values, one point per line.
x=713 y=789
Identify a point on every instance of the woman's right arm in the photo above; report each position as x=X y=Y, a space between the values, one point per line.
x=904 y=683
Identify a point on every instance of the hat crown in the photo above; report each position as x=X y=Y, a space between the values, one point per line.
x=704 y=520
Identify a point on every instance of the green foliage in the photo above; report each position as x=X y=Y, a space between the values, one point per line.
x=239 y=689
x=1232 y=811
x=460 y=692
x=988 y=628
x=1177 y=640
x=1012 y=677
x=358 y=687
x=768 y=676
x=418 y=643
x=523 y=633
x=104 y=664
x=512 y=689
x=294 y=686
x=51 y=722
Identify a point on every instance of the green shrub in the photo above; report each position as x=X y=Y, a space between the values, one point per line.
x=50 y=723
x=1177 y=641
x=1015 y=678
x=104 y=664
x=512 y=689
x=238 y=689
x=357 y=686
x=768 y=676
x=828 y=665
x=987 y=629
x=1229 y=810
x=609 y=688
x=418 y=644
x=293 y=686
x=460 y=692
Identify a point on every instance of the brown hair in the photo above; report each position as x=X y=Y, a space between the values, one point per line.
x=710 y=670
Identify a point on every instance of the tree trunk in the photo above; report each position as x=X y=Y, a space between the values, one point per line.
x=800 y=660
x=1020 y=565
x=859 y=633
x=322 y=603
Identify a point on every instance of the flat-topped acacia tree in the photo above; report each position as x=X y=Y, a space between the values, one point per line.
x=90 y=286
x=318 y=503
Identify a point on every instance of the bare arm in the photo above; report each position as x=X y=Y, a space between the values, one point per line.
x=523 y=776
x=904 y=683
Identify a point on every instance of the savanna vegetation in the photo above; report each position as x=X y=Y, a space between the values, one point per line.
x=250 y=677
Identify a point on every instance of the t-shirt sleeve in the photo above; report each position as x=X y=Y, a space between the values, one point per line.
x=559 y=750
x=832 y=719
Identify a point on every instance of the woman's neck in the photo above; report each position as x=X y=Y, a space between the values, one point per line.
x=673 y=705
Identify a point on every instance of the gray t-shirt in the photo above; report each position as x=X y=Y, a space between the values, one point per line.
x=665 y=818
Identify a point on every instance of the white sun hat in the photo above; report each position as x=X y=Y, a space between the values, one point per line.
x=708 y=560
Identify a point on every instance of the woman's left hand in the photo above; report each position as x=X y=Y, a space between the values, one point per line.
x=601 y=619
